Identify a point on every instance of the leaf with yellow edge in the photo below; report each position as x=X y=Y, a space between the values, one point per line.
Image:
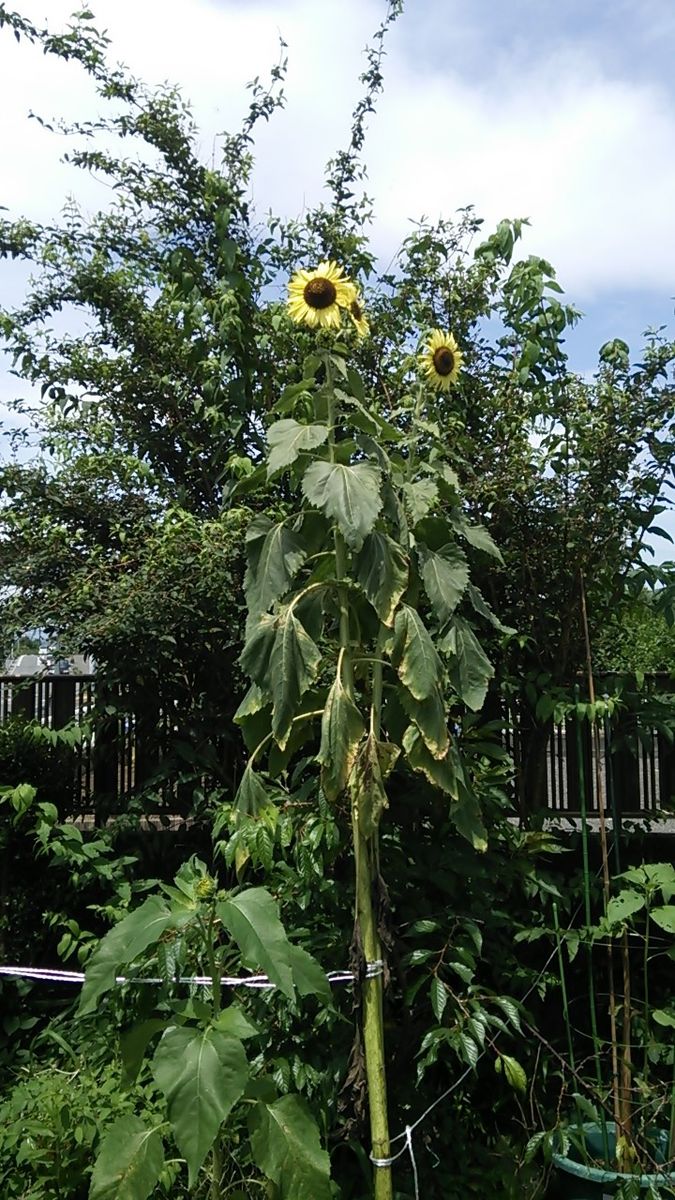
x=414 y=654
x=294 y=665
x=439 y=771
x=342 y=728
x=431 y=719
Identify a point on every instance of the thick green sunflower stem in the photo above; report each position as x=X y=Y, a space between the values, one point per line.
x=365 y=850
x=366 y=871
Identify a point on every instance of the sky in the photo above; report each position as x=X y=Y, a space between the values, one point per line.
x=562 y=111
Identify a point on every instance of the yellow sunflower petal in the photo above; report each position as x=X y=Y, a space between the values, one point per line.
x=316 y=296
x=441 y=360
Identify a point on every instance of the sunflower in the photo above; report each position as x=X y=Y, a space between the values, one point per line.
x=316 y=297
x=441 y=360
x=359 y=319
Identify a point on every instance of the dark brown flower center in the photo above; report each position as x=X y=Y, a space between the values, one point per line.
x=444 y=360
x=319 y=293
x=356 y=310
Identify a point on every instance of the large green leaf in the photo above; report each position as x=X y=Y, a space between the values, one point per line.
x=419 y=498
x=294 y=665
x=470 y=669
x=125 y=941
x=134 y=1043
x=626 y=904
x=381 y=568
x=274 y=560
x=414 y=654
x=342 y=728
x=445 y=576
x=286 y=1147
x=252 y=918
x=476 y=535
x=366 y=783
x=664 y=917
x=308 y=975
x=286 y=439
x=483 y=609
x=129 y=1162
x=467 y=818
x=439 y=771
x=349 y=495
x=252 y=795
x=202 y=1073
x=255 y=657
x=431 y=719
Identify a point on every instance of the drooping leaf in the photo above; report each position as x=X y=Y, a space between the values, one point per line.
x=467 y=818
x=373 y=763
x=202 y=1073
x=133 y=1044
x=381 y=568
x=439 y=997
x=414 y=654
x=477 y=535
x=308 y=976
x=445 y=576
x=293 y=667
x=257 y=652
x=129 y=1162
x=287 y=439
x=624 y=905
x=514 y=1073
x=348 y=494
x=286 y=1147
x=252 y=795
x=125 y=941
x=439 y=771
x=342 y=728
x=483 y=609
x=470 y=669
x=273 y=562
x=252 y=918
x=431 y=719
x=254 y=701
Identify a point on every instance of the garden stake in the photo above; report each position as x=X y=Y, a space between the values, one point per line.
x=568 y=1027
x=587 y=916
x=604 y=852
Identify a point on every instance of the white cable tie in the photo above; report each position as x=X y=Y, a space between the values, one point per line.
x=374 y=968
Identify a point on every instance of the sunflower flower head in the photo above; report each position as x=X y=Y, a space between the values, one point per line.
x=357 y=314
x=441 y=360
x=316 y=297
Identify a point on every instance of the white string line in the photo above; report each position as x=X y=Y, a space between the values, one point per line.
x=47 y=975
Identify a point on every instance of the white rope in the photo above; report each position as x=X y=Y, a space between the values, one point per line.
x=48 y=975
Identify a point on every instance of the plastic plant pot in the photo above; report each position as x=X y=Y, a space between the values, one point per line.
x=578 y=1180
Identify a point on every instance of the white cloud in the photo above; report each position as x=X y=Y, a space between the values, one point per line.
x=587 y=157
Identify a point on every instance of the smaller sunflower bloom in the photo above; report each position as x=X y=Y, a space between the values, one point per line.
x=358 y=316
x=441 y=360
x=316 y=297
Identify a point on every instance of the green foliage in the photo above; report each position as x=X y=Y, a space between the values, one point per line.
x=200 y=1064
x=129 y=1163
x=286 y=1144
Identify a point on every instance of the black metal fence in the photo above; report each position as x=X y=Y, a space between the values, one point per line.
x=124 y=754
